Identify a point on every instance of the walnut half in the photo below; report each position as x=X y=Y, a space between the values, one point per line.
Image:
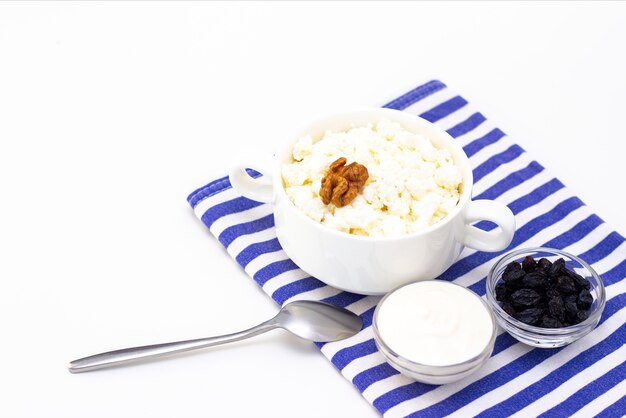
x=343 y=182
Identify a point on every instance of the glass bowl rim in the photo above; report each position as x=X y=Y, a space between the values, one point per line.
x=590 y=321
x=448 y=369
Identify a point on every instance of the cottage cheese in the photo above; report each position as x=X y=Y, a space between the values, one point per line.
x=411 y=184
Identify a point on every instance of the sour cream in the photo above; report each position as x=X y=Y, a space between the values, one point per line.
x=435 y=323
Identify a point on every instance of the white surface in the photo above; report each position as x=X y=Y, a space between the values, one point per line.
x=111 y=113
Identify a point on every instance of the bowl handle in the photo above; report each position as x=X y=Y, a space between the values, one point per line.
x=254 y=188
x=488 y=210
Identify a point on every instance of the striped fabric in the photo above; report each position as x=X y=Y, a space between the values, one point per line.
x=584 y=379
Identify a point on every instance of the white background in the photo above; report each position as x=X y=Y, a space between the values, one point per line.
x=110 y=114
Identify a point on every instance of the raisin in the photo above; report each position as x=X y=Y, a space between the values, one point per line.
x=514 y=279
x=571 y=309
x=529 y=316
x=556 y=308
x=570 y=298
x=585 y=299
x=565 y=284
x=550 y=293
x=536 y=279
x=581 y=316
x=525 y=298
x=502 y=292
x=555 y=268
x=528 y=264
x=580 y=281
x=512 y=266
x=508 y=308
x=549 y=322
x=513 y=275
x=544 y=264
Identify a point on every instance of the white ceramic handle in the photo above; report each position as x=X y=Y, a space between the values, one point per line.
x=259 y=189
x=488 y=210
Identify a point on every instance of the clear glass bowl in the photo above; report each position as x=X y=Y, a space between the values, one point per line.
x=434 y=375
x=546 y=337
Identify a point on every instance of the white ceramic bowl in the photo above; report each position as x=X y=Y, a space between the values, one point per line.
x=372 y=265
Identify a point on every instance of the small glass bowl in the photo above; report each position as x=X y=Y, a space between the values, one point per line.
x=434 y=375
x=546 y=337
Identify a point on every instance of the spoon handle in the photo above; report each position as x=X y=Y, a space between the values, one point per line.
x=134 y=354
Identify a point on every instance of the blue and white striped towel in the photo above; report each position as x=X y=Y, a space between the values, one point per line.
x=586 y=378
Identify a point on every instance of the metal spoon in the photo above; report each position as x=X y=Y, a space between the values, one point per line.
x=315 y=321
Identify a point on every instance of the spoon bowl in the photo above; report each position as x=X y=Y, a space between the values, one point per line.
x=316 y=321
